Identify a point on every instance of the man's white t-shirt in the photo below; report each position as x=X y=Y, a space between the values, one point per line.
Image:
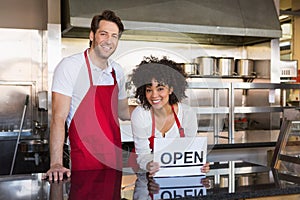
x=71 y=79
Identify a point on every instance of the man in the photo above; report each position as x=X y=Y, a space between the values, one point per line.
x=88 y=93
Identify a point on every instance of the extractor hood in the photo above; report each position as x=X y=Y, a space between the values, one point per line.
x=221 y=22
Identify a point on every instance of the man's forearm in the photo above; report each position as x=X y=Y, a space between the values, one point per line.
x=57 y=137
x=125 y=110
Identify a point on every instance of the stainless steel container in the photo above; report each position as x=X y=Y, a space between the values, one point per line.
x=245 y=67
x=206 y=65
x=246 y=180
x=189 y=68
x=224 y=181
x=225 y=66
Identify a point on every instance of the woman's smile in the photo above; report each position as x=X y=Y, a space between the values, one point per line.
x=156 y=101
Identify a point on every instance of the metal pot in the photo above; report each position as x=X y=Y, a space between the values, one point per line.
x=226 y=66
x=189 y=68
x=206 y=65
x=245 y=67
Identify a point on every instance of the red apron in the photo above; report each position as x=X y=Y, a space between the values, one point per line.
x=132 y=158
x=94 y=131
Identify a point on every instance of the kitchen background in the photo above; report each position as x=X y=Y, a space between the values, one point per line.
x=36 y=34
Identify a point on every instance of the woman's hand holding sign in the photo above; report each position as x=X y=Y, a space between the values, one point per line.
x=152 y=168
x=205 y=168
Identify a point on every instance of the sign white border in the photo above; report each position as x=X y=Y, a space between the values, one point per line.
x=180 y=156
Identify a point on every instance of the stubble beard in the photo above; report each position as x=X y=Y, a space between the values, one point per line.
x=100 y=53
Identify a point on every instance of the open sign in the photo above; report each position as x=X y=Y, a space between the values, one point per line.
x=180 y=156
x=180 y=187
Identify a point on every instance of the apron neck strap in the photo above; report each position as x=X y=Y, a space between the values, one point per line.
x=181 y=130
x=88 y=66
x=113 y=73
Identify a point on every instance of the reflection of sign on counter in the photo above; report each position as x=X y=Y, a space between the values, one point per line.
x=180 y=156
x=180 y=187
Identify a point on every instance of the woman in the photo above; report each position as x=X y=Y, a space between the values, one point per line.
x=161 y=85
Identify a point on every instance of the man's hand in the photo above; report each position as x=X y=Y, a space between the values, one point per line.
x=57 y=172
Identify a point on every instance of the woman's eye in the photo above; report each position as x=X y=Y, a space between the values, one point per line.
x=148 y=90
x=160 y=88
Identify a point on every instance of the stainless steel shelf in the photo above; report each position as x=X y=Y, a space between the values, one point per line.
x=231 y=109
x=211 y=110
x=18 y=83
x=209 y=85
x=261 y=109
x=222 y=76
x=264 y=86
x=15 y=133
x=240 y=85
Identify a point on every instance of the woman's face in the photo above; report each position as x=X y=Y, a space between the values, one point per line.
x=158 y=95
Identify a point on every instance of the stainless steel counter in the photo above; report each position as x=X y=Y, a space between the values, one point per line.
x=226 y=180
x=25 y=187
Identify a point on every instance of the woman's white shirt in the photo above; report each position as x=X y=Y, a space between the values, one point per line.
x=141 y=124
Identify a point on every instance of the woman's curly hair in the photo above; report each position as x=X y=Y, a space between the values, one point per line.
x=165 y=72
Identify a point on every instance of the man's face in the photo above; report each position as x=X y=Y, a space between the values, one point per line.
x=105 y=40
